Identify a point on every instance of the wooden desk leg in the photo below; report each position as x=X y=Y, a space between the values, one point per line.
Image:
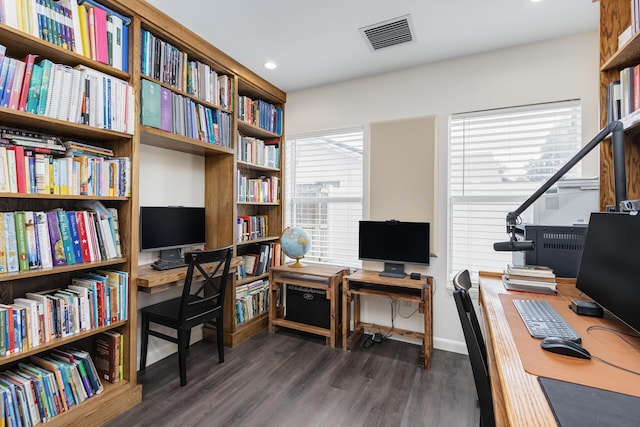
x=273 y=309
x=346 y=317
x=427 y=314
x=331 y=293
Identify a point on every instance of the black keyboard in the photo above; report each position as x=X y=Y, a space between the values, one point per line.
x=542 y=320
x=167 y=265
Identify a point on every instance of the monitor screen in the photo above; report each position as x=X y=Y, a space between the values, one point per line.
x=609 y=269
x=395 y=243
x=170 y=227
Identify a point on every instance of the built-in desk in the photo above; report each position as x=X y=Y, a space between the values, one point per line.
x=518 y=398
x=371 y=284
x=153 y=281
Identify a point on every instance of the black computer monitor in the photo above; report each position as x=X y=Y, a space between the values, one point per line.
x=169 y=228
x=610 y=267
x=395 y=243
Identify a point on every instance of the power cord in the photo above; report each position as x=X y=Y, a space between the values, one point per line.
x=619 y=334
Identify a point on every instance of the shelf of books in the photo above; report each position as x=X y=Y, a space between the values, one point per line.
x=258 y=221
x=68 y=162
x=619 y=100
x=183 y=95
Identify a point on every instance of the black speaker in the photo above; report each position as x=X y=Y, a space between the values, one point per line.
x=308 y=305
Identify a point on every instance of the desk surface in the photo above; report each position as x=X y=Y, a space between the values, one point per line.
x=518 y=398
x=151 y=281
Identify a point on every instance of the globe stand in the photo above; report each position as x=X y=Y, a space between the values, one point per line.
x=297 y=264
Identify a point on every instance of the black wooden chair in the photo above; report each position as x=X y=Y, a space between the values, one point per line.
x=475 y=346
x=205 y=305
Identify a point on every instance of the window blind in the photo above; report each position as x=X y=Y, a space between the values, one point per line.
x=497 y=159
x=323 y=193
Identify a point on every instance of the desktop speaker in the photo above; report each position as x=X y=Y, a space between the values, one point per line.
x=309 y=306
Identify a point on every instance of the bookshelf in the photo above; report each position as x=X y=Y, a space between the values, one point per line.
x=615 y=17
x=200 y=109
x=222 y=162
x=119 y=396
x=258 y=216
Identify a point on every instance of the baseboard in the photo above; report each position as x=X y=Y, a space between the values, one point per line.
x=450 y=345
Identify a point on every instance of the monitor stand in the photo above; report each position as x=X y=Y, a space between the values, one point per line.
x=171 y=255
x=393 y=270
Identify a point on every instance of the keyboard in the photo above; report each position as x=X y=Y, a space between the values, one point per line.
x=542 y=320
x=167 y=265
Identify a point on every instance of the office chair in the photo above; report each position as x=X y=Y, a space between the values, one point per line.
x=205 y=305
x=475 y=346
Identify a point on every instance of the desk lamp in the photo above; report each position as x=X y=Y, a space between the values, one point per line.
x=616 y=130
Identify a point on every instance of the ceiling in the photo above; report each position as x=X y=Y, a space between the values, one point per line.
x=319 y=42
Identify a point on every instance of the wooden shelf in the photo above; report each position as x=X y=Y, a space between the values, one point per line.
x=254 y=241
x=171 y=141
x=44 y=124
x=253 y=166
x=57 y=342
x=7 y=277
x=252 y=130
x=627 y=55
x=62 y=197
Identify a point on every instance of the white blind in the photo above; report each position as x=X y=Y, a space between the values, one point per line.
x=323 y=177
x=497 y=159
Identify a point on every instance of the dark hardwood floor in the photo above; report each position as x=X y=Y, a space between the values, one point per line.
x=289 y=379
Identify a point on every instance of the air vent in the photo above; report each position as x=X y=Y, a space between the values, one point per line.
x=389 y=33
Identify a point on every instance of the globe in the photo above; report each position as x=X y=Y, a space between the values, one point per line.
x=295 y=244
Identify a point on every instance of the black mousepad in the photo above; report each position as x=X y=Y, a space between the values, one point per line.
x=583 y=406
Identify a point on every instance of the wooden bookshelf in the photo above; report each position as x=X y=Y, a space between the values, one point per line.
x=221 y=169
x=126 y=393
x=615 y=17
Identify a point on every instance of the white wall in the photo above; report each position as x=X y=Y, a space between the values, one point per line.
x=167 y=178
x=554 y=70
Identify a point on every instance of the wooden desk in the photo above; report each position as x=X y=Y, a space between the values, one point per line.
x=370 y=283
x=153 y=281
x=518 y=399
x=324 y=277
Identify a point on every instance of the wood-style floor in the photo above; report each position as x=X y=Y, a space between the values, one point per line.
x=289 y=379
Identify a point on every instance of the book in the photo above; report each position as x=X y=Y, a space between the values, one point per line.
x=530 y=270
x=65 y=234
x=75 y=236
x=529 y=286
x=47 y=66
x=29 y=61
x=55 y=239
x=250 y=262
x=32 y=240
x=44 y=245
x=10 y=242
x=21 y=238
x=5 y=187
x=151 y=103
x=166 y=113
x=106 y=355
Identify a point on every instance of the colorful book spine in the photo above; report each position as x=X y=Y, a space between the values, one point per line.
x=75 y=236
x=65 y=234
x=42 y=225
x=32 y=240
x=21 y=237
x=11 y=242
x=55 y=239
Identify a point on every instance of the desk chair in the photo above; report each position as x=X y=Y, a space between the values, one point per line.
x=475 y=346
x=205 y=305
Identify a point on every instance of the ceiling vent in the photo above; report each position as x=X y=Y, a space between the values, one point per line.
x=389 y=33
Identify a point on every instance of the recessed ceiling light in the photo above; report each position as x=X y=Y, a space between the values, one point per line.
x=270 y=65
x=535 y=1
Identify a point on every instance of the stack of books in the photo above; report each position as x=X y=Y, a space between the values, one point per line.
x=530 y=278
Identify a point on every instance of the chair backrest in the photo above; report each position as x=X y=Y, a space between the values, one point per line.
x=475 y=346
x=462 y=280
x=207 y=301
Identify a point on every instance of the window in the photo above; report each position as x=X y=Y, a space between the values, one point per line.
x=323 y=182
x=497 y=159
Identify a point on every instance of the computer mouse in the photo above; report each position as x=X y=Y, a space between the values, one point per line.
x=565 y=347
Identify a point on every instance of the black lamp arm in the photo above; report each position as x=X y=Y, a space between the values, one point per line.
x=616 y=129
